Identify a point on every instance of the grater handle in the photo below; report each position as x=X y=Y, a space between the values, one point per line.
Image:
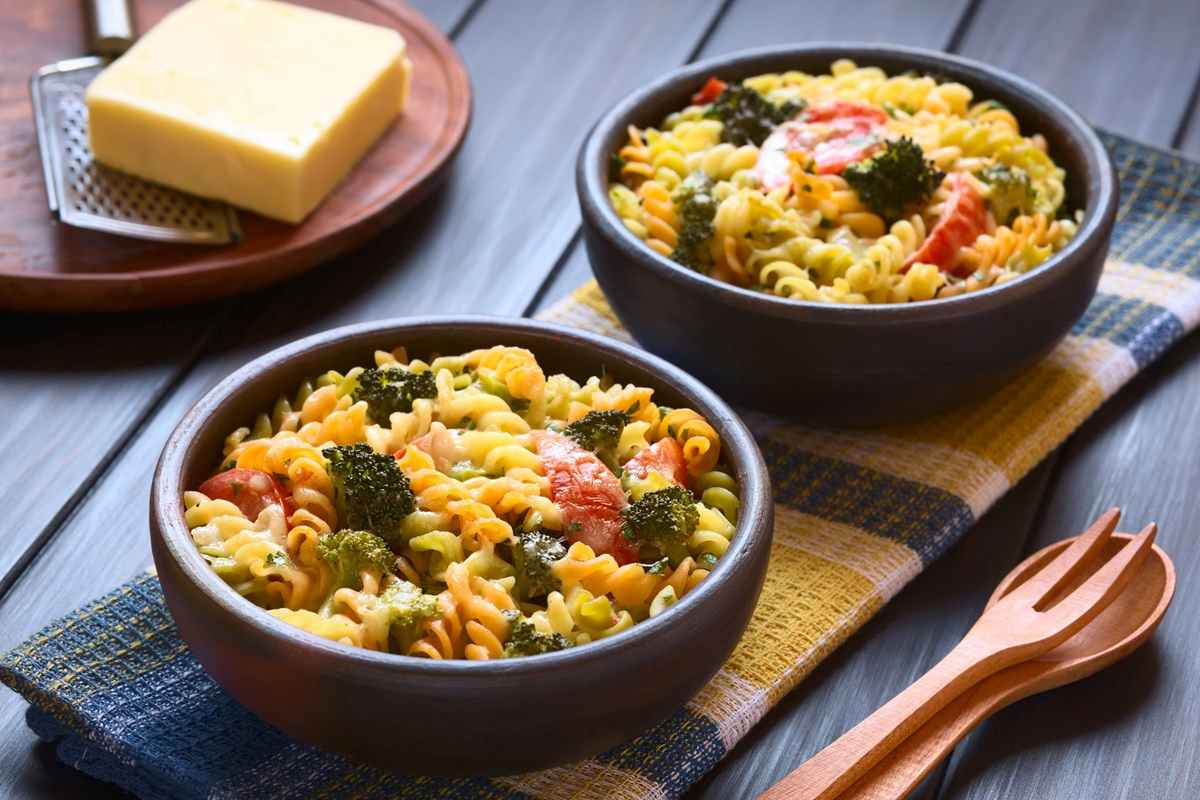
x=109 y=26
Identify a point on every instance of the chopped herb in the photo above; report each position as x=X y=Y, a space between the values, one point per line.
x=747 y=116
x=659 y=567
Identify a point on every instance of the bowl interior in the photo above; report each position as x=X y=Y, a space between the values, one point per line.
x=194 y=451
x=1090 y=182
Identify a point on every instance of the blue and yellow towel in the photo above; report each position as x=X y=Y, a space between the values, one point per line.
x=859 y=514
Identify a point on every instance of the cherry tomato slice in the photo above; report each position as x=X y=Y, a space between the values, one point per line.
x=251 y=490
x=589 y=495
x=664 y=456
x=709 y=92
x=963 y=219
x=843 y=109
x=836 y=134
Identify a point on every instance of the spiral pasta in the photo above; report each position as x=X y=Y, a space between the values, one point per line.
x=803 y=208
x=468 y=506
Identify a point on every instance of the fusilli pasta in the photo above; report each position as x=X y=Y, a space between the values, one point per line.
x=830 y=192
x=470 y=506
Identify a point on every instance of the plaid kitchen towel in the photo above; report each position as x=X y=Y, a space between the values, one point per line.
x=858 y=514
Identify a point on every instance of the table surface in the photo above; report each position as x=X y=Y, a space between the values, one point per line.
x=90 y=399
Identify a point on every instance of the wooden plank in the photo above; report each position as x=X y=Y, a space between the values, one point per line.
x=76 y=387
x=80 y=385
x=1188 y=139
x=489 y=255
x=1128 y=67
x=1130 y=731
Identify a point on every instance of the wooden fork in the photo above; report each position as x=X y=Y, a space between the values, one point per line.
x=1033 y=619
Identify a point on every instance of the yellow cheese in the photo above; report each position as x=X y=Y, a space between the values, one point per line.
x=262 y=104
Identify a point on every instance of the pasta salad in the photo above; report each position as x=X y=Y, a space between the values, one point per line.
x=466 y=507
x=848 y=187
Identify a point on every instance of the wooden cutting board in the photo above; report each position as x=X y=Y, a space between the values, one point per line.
x=45 y=265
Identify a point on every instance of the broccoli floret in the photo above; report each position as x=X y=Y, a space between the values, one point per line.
x=533 y=554
x=526 y=640
x=697 y=209
x=390 y=390
x=406 y=608
x=370 y=491
x=897 y=178
x=664 y=519
x=349 y=554
x=1010 y=192
x=747 y=116
x=599 y=431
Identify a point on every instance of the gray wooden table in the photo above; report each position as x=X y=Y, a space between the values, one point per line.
x=89 y=400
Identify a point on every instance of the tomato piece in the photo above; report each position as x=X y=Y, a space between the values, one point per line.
x=664 y=456
x=589 y=495
x=709 y=92
x=251 y=490
x=844 y=109
x=836 y=134
x=963 y=219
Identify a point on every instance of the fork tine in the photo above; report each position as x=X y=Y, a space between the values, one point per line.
x=1093 y=595
x=1058 y=572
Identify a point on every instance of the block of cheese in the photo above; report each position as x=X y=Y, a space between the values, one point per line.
x=259 y=103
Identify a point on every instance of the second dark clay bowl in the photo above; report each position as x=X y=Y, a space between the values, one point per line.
x=844 y=364
x=463 y=718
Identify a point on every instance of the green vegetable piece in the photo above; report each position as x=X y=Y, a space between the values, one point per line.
x=1010 y=192
x=599 y=431
x=349 y=554
x=526 y=640
x=407 y=609
x=698 y=208
x=747 y=116
x=370 y=491
x=663 y=519
x=894 y=180
x=492 y=385
x=390 y=390
x=534 y=553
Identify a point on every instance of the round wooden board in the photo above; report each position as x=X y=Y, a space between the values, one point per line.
x=45 y=265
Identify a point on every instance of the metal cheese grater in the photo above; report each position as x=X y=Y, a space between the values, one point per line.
x=86 y=194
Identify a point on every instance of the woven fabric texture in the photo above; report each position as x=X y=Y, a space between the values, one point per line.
x=859 y=514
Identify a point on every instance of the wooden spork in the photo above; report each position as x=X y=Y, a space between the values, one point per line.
x=1040 y=614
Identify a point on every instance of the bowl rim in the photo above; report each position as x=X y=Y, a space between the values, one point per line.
x=592 y=187
x=753 y=530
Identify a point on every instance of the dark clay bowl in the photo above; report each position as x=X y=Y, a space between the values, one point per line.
x=842 y=364
x=418 y=716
